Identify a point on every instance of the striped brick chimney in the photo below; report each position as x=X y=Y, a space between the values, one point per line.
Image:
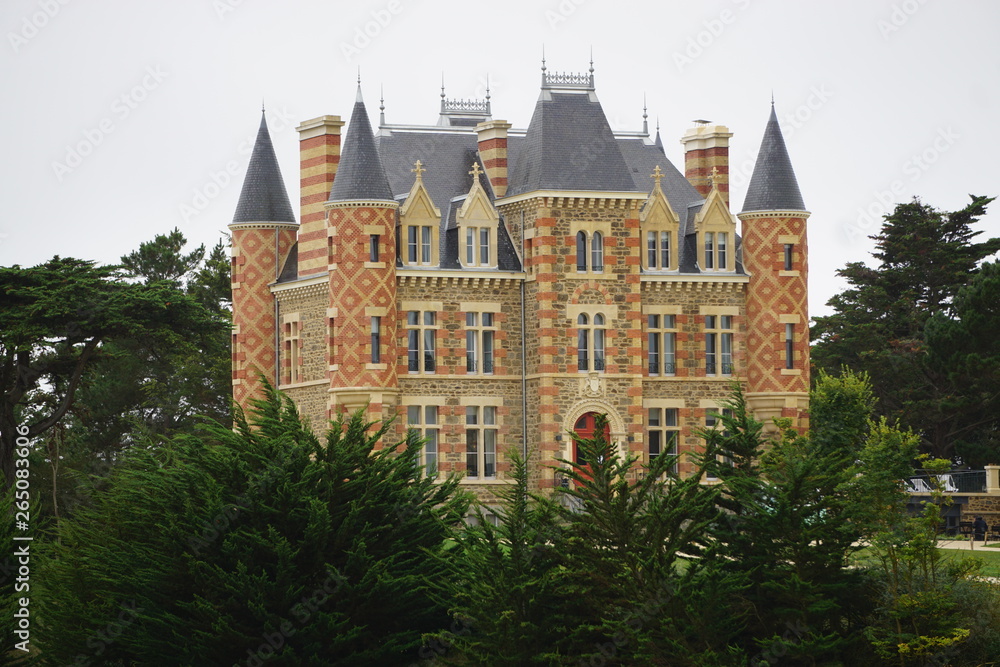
x=493 y=152
x=706 y=147
x=319 y=155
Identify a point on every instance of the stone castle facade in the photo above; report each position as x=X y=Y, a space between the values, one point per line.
x=497 y=288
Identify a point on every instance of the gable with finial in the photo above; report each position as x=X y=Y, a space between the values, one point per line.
x=420 y=223
x=477 y=225
x=715 y=226
x=659 y=224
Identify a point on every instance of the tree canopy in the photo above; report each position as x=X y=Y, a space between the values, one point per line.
x=924 y=347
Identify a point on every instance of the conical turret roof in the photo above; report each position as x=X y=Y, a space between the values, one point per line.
x=773 y=186
x=263 y=198
x=360 y=175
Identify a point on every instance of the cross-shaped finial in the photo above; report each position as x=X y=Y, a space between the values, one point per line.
x=657 y=175
x=475 y=171
x=418 y=169
x=714 y=178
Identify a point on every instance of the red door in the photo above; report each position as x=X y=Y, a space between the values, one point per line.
x=585 y=428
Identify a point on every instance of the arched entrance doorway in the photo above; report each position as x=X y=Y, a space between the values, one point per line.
x=585 y=428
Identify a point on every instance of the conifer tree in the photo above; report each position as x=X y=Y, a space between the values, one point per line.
x=254 y=545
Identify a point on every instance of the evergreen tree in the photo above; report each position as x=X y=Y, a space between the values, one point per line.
x=251 y=545
x=924 y=258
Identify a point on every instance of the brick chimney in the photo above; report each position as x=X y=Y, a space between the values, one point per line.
x=493 y=152
x=707 y=146
x=319 y=155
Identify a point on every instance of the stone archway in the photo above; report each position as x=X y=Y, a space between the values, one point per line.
x=615 y=423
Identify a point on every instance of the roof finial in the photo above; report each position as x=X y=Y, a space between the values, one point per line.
x=487 y=87
x=657 y=124
x=418 y=169
x=592 y=60
x=714 y=178
x=442 y=86
x=381 y=105
x=359 y=75
x=262 y=105
x=475 y=171
x=657 y=175
x=645 y=116
x=543 y=57
x=772 y=97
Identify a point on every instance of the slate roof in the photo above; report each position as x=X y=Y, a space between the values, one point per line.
x=263 y=198
x=360 y=175
x=569 y=146
x=773 y=186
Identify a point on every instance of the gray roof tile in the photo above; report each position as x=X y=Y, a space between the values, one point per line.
x=263 y=198
x=773 y=186
x=360 y=175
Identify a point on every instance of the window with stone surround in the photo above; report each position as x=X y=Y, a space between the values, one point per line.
x=420 y=336
x=716 y=251
x=480 y=340
x=589 y=252
x=293 y=350
x=718 y=344
x=662 y=433
x=658 y=244
x=661 y=344
x=478 y=244
x=789 y=345
x=376 y=342
x=424 y=420
x=590 y=342
x=788 y=256
x=480 y=441
x=419 y=245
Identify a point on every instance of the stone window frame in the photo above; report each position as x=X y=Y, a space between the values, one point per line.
x=661 y=331
x=480 y=333
x=483 y=408
x=423 y=323
x=719 y=325
x=422 y=405
x=291 y=348
x=664 y=408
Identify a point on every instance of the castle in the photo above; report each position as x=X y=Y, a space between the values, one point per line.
x=496 y=288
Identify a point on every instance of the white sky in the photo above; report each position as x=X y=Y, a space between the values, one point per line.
x=881 y=100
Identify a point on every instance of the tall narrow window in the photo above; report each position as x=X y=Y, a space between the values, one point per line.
x=420 y=341
x=424 y=420
x=411 y=244
x=480 y=330
x=581 y=252
x=293 y=372
x=478 y=246
x=484 y=246
x=376 y=340
x=722 y=239
x=597 y=253
x=709 y=250
x=590 y=343
x=718 y=345
x=373 y=248
x=661 y=339
x=425 y=244
x=470 y=246
x=788 y=256
x=662 y=429
x=480 y=441
x=789 y=346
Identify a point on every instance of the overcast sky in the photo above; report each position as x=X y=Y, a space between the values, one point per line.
x=124 y=119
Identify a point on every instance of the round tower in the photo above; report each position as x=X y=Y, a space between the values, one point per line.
x=263 y=230
x=774 y=254
x=361 y=223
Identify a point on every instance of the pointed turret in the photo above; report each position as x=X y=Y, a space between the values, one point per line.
x=773 y=186
x=264 y=197
x=263 y=231
x=360 y=176
x=775 y=256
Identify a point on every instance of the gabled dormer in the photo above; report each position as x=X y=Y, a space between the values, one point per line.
x=715 y=227
x=659 y=226
x=477 y=223
x=419 y=225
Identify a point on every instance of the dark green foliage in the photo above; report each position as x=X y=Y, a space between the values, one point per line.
x=880 y=326
x=255 y=544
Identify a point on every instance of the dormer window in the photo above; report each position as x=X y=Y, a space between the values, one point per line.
x=660 y=226
x=419 y=221
x=716 y=229
x=477 y=226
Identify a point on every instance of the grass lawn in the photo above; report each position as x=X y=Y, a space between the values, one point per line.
x=989 y=556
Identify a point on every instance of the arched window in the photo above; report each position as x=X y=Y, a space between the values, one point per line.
x=589 y=255
x=590 y=343
x=597 y=253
